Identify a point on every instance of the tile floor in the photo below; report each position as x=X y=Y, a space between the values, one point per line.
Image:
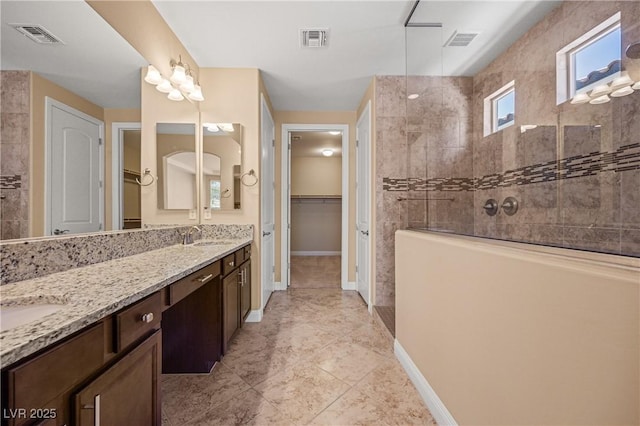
x=316 y=358
x=315 y=272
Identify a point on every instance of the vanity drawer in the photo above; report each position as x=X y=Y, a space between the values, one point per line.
x=243 y=254
x=36 y=383
x=247 y=252
x=138 y=320
x=184 y=287
x=228 y=264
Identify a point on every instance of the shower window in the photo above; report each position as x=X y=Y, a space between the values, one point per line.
x=500 y=109
x=214 y=187
x=591 y=60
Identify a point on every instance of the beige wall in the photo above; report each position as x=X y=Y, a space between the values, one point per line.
x=316 y=117
x=316 y=175
x=40 y=89
x=509 y=336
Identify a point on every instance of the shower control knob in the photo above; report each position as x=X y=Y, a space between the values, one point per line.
x=510 y=206
x=491 y=207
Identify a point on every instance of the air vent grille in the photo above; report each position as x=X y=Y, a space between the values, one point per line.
x=314 y=37
x=37 y=33
x=459 y=39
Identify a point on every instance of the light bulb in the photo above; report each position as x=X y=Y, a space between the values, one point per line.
x=600 y=90
x=175 y=95
x=179 y=76
x=580 y=98
x=196 y=95
x=327 y=152
x=188 y=85
x=153 y=76
x=600 y=100
x=164 y=86
x=636 y=86
x=623 y=91
x=334 y=133
x=622 y=81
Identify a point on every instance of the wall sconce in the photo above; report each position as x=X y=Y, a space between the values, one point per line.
x=180 y=85
x=621 y=86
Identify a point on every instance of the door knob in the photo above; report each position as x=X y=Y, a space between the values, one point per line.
x=60 y=231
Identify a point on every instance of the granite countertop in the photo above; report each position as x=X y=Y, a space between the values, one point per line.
x=93 y=292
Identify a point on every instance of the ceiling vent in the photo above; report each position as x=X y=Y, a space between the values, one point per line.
x=37 y=33
x=460 y=39
x=316 y=37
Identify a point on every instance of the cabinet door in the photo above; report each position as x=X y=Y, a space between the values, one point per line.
x=231 y=306
x=245 y=290
x=128 y=393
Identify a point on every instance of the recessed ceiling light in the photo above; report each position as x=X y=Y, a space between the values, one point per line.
x=413 y=96
x=327 y=152
x=334 y=132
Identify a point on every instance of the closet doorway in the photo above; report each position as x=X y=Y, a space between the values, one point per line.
x=315 y=206
x=126 y=197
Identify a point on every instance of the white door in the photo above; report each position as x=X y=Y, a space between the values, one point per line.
x=268 y=245
x=362 y=203
x=74 y=165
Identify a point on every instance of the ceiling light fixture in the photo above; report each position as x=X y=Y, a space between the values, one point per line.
x=327 y=152
x=180 y=85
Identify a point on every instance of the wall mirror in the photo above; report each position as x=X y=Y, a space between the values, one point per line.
x=176 y=166
x=221 y=166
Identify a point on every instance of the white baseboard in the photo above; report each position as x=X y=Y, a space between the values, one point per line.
x=438 y=410
x=279 y=286
x=351 y=285
x=254 y=316
x=316 y=253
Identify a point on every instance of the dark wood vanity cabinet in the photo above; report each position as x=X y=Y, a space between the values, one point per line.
x=92 y=374
x=236 y=284
x=192 y=325
x=127 y=393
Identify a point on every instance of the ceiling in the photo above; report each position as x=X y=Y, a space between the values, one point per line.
x=366 y=38
x=311 y=144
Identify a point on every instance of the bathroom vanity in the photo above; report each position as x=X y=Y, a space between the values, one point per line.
x=98 y=359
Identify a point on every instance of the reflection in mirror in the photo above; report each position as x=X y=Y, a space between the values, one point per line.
x=222 y=164
x=176 y=165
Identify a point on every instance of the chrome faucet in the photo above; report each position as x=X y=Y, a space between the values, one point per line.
x=187 y=237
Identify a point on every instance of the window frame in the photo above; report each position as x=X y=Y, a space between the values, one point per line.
x=491 y=108
x=565 y=60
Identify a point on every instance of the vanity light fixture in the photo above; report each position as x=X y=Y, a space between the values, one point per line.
x=620 y=86
x=327 y=152
x=180 y=85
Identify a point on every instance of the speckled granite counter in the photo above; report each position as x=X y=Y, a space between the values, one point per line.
x=92 y=292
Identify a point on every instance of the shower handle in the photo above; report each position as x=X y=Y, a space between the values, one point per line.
x=491 y=207
x=510 y=206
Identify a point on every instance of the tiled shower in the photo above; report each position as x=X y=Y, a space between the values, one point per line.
x=574 y=169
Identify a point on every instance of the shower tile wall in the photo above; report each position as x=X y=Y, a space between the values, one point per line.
x=14 y=152
x=589 y=197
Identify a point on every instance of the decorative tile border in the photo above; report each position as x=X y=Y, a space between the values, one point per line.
x=10 y=181
x=624 y=158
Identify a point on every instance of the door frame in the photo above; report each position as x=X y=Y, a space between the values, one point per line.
x=117 y=174
x=49 y=104
x=366 y=113
x=286 y=204
x=267 y=145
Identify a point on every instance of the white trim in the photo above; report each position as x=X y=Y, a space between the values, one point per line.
x=255 y=315
x=285 y=169
x=117 y=166
x=278 y=286
x=264 y=145
x=351 y=285
x=366 y=112
x=437 y=408
x=49 y=103
x=315 y=253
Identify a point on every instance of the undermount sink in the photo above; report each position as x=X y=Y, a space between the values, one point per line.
x=212 y=243
x=19 y=311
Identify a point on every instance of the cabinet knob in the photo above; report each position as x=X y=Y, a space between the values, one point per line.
x=147 y=317
x=232 y=263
